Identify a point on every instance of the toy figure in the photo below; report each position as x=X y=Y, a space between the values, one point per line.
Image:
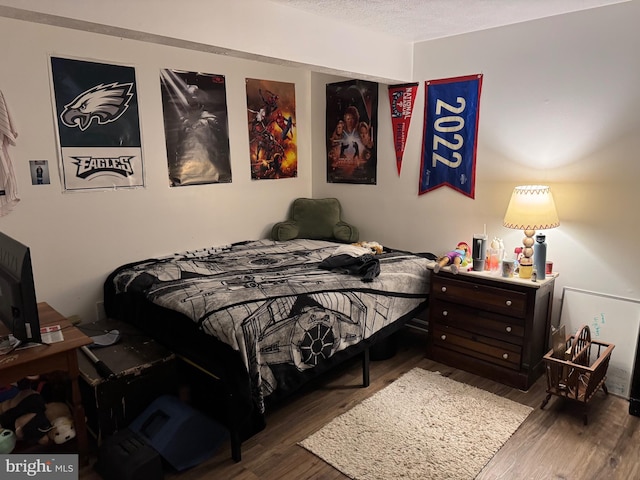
x=59 y=415
x=454 y=259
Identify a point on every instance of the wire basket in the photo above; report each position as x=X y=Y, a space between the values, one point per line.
x=582 y=371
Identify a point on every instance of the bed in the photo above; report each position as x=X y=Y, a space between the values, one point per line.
x=263 y=317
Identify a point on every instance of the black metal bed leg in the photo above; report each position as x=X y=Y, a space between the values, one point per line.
x=236 y=446
x=365 y=368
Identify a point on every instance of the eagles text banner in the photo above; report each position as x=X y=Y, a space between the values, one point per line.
x=401 y=100
x=452 y=108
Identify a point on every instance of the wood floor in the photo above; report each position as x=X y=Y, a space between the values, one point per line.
x=551 y=444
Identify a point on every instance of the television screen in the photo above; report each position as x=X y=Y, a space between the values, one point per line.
x=18 y=305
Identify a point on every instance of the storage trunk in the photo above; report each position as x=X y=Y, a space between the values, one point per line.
x=143 y=370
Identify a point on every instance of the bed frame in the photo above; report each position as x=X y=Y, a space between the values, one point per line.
x=226 y=383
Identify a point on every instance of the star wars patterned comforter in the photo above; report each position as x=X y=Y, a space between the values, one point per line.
x=272 y=303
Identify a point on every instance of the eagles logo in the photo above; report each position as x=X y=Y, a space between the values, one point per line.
x=104 y=103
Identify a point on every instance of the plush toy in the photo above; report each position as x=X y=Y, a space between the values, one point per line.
x=25 y=415
x=454 y=259
x=375 y=247
x=59 y=415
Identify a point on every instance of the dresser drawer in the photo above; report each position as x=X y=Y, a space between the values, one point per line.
x=509 y=329
x=477 y=295
x=477 y=346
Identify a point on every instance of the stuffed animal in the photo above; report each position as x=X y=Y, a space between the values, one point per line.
x=25 y=415
x=454 y=259
x=375 y=247
x=59 y=415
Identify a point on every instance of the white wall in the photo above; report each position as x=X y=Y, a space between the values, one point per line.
x=560 y=105
x=239 y=27
x=76 y=239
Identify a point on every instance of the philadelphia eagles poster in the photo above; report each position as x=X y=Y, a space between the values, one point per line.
x=98 y=126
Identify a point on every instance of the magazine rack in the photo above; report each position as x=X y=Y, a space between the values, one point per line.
x=582 y=371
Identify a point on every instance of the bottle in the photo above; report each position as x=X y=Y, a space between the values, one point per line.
x=493 y=256
x=540 y=256
x=501 y=252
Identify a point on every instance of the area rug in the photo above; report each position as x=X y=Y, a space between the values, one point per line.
x=422 y=426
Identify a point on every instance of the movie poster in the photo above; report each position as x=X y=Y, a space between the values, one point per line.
x=271 y=114
x=352 y=123
x=196 y=127
x=98 y=126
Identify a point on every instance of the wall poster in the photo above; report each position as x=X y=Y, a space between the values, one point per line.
x=352 y=126
x=97 y=123
x=401 y=100
x=273 y=141
x=452 y=109
x=196 y=127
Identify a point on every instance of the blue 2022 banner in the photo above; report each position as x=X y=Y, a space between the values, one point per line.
x=452 y=108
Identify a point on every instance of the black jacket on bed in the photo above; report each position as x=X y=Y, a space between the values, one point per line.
x=367 y=265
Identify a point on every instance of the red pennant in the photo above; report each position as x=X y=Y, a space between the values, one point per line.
x=401 y=99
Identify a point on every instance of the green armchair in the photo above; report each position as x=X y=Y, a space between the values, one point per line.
x=315 y=219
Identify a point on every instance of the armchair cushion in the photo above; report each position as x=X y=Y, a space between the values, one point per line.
x=315 y=219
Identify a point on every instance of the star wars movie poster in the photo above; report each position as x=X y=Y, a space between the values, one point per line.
x=352 y=122
x=271 y=112
x=98 y=126
x=196 y=127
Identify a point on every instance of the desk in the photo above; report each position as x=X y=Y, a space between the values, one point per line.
x=60 y=356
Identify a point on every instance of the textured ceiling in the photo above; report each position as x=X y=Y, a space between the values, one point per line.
x=419 y=20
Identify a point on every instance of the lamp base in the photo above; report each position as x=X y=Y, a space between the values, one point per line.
x=526 y=264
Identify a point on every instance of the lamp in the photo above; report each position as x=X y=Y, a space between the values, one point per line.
x=531 y=208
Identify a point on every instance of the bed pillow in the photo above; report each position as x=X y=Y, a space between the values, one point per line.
x=315 y=219
x=283 y=231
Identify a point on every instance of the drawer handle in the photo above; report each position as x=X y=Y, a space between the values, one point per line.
x=505 y=356
x=445 y=313
x=508 y=329
x=443 y=337
x=444 y=289
x=508 y=302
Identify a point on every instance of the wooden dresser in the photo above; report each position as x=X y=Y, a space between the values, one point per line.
x=491 y=326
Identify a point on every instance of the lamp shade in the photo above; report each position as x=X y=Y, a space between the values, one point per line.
x=531 y=208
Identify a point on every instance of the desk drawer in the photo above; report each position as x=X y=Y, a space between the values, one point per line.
x=509 y=329
x=482 y=297
x=477 y=346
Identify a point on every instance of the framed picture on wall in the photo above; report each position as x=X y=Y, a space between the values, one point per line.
x=97 y=124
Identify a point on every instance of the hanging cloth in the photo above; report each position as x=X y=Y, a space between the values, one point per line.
x=8 y=184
